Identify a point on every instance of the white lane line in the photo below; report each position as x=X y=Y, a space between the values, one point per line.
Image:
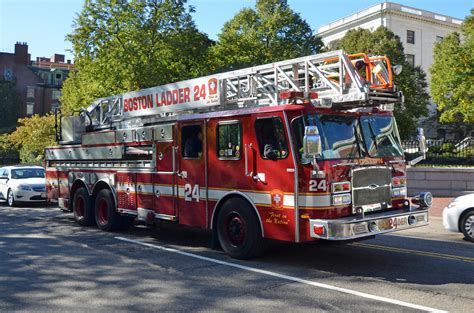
x=286 y=277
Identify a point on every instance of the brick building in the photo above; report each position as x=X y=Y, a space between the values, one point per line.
x=37 y=83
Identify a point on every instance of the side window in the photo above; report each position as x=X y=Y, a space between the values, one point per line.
x=271 y=138
x=5 y=173
x=191 y=142
x=229 y=141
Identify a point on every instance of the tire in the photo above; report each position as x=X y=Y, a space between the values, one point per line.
x=238 y=230
x=82 y=208
x=11 y=198
x=106 y=215
x=467 y=226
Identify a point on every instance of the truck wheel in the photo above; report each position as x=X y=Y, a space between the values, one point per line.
x=11 y=198
x=238 y=230
x=82 y=208
x=106 y=215
x=467 y=226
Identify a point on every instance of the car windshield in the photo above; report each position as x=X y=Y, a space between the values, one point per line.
x=24 y=173
x=381 y=136
x=341 y=135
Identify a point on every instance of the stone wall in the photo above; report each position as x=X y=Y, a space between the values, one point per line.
x=441 y=182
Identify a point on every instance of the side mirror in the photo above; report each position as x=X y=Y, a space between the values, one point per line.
x=311 y=142
x=422 y=147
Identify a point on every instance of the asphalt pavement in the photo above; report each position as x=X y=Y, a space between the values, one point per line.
x=48 y=263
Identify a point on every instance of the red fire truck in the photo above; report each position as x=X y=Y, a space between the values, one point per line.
x=300 y=150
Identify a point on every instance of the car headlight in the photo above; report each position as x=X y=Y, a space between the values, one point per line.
x=24 y=188
x=452 y=205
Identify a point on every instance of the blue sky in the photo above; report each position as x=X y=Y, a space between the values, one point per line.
x=43 y=24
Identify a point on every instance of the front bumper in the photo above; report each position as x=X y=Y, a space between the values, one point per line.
x=351 y=227
x=29 y=195
x=451 y=219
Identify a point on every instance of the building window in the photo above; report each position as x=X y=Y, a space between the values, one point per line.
x=8 y=74
x=410 y=58
x=439 y=38
x=191 y=142
x=410 y=36
x=30 y=91
x=59 y=76
x=229 y=141
x=56 y=94
x=30 y=108
x=271 y=138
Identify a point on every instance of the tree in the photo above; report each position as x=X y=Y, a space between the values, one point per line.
x=452 y=75
x=271 y=32
x=8 y=154
x=123 y=45
x=412 y=80
x=32 y=136
x=8 y=105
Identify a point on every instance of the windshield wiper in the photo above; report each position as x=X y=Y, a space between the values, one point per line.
x=357 y=140
x=374 y=137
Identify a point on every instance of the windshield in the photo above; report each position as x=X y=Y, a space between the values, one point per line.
x=381 y=136
x=340 y=136
x=27 y=173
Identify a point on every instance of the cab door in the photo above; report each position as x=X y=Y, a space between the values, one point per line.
x=192 y=173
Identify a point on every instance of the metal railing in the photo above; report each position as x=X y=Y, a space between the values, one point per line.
x=444 y=152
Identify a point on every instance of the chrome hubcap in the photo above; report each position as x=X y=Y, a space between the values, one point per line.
x=10 y=198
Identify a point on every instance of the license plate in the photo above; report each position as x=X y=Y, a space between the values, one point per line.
x=371 y=207
x=43 y=195
x=393 y=223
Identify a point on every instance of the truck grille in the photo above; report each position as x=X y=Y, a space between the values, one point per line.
x=371 y=185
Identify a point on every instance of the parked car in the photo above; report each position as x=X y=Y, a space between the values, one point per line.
x=458 y=216
x=22 y=184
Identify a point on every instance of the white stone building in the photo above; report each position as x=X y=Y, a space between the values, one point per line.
x=418 y=30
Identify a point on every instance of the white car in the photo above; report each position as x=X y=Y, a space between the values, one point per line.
x=458 y=216
x=22 y=184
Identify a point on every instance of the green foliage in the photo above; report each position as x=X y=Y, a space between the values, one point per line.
x=412 y=81
x=8 y=154
x=271 y=32
x=32 y=136
x=8 y=105
x=452 y=75
x=122 y=45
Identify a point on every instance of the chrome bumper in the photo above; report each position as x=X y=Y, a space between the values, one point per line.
x=373 y=224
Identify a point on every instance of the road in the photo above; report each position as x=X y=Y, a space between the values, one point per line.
x=48 y=263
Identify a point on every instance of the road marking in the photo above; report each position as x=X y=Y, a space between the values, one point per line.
x=286 y=277
x=408 y=251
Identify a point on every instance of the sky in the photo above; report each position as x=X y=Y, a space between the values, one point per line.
x=44 y=24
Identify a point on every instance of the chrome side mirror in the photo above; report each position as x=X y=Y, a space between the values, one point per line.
x=311 y=142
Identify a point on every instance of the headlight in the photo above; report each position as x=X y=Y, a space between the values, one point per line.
x=452 y=205
x=341 y=199
x=399 y=192
x=24 y=188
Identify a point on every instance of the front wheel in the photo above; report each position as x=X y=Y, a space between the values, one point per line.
x=11 y=198
x=467 y=226
x=238 y=230
x=106 y=214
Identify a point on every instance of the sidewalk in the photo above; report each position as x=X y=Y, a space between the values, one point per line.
x=438 y=205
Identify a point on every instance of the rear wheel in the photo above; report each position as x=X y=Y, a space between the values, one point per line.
x=238 y=230
x=106 y=215
x=82 y=208
x=467 y=226
x=11 y=198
